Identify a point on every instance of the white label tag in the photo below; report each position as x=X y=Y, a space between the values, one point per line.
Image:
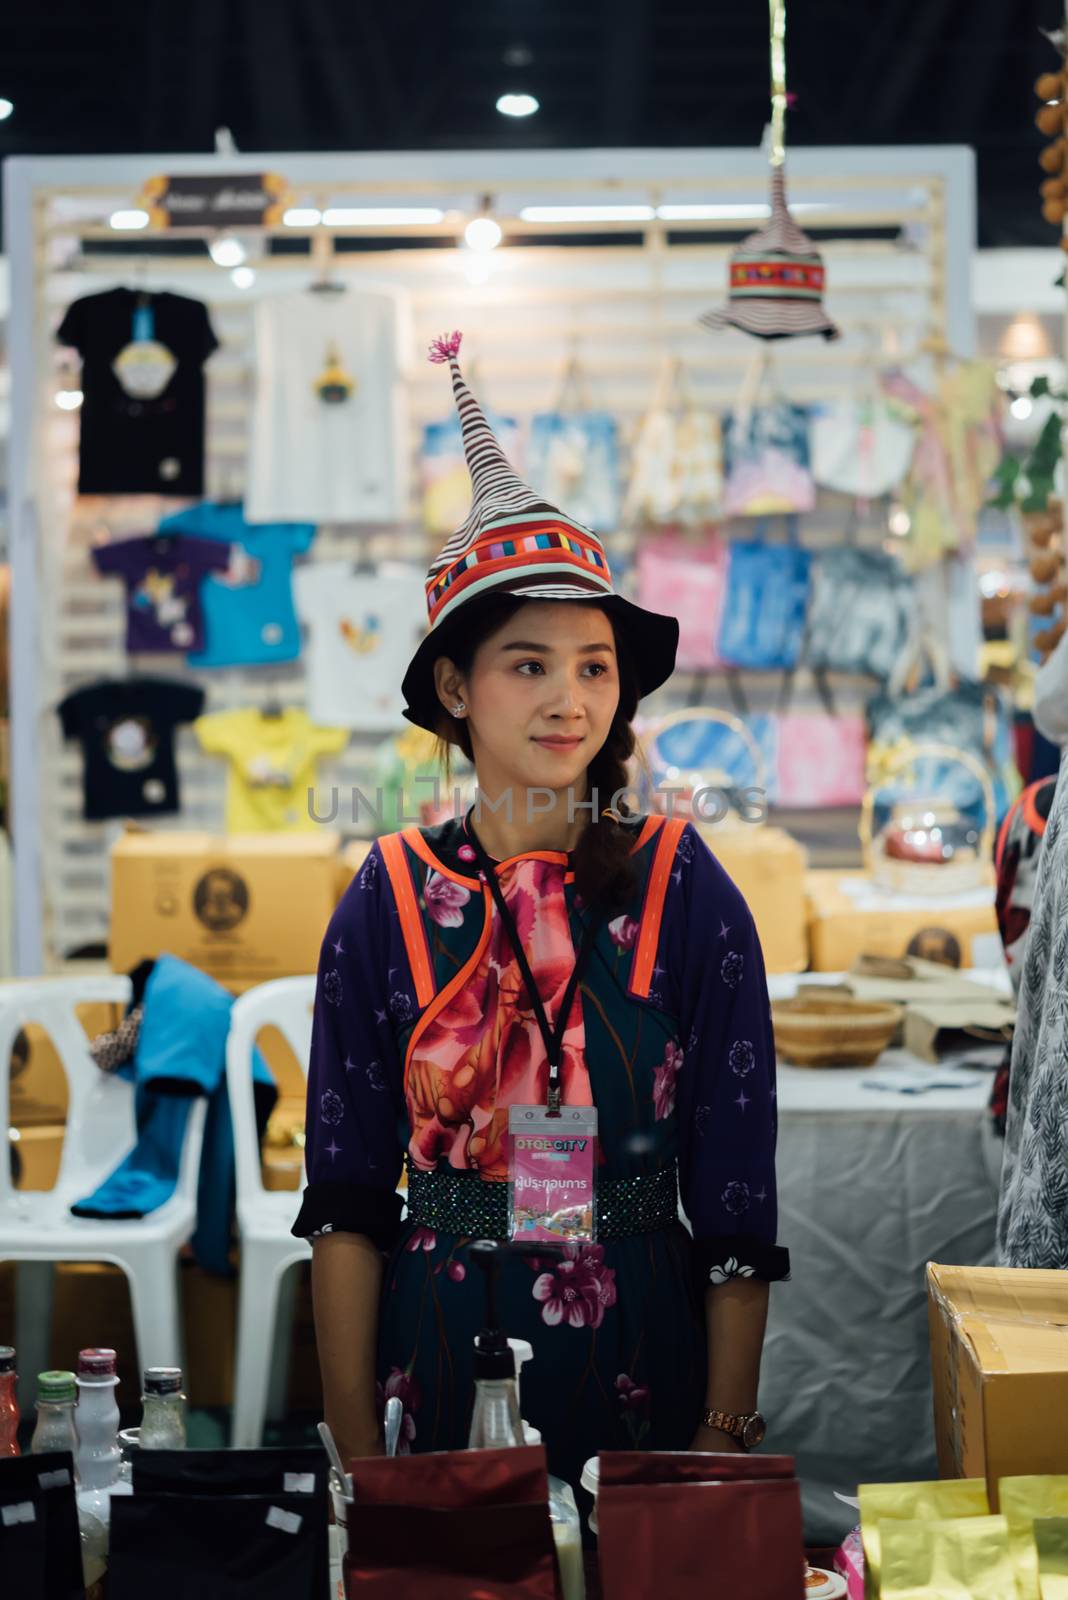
x=299 y=1483
x=54 y=1480
x=284 y=1521
x=22 y=1512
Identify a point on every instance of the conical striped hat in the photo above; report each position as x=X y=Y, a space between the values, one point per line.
x=776 y=279
x=512 y=541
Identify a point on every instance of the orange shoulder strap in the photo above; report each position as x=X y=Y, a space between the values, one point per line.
x=412 y=927
x=645 y=949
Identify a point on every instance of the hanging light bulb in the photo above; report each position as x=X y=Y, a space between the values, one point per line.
x=483 y=234
x=227 y=252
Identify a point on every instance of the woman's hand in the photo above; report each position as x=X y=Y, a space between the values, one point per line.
x=715 y=1440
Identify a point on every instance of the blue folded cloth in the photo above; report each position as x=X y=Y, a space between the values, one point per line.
x=181 y=1053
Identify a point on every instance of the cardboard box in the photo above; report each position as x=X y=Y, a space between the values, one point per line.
x=848 y=916
x=350 y=861
x=999 y=1357
x=247 y=906
x=38 y=1150
x=934 y=1029
x=769 y=868
x=38 y=1087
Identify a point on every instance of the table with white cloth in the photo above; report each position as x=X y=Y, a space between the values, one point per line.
x=873 y=1184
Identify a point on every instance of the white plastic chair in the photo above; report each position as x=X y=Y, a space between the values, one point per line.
x=37 y=1226
x=264 y=1216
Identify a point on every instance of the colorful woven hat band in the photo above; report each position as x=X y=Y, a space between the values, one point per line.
x=512 y=540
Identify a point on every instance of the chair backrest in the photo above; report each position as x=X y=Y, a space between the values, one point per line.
x=285 y=1004
x=100 y=1116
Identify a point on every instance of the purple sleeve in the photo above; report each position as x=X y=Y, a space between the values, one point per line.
x=726 y=1089
x=119 y=557
x=355 y=1126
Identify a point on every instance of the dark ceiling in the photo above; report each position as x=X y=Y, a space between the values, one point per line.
x=110 y=76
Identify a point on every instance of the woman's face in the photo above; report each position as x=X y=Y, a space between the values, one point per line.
x=540 y=697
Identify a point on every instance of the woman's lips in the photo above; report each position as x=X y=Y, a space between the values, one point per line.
x=560 y=744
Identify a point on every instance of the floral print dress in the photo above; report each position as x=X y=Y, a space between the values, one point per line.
x=423 y=1037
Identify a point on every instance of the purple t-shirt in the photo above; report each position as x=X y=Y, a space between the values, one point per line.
x=163 y=574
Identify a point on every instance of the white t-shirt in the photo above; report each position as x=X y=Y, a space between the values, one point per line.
x=362 y=632
x=329 y=437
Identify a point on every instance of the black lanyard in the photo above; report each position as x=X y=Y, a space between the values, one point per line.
x=553 y=1039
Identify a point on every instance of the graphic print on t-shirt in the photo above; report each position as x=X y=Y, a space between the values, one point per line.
x=142 y=416
x=273 y=764
x=362 y=629
x=126 y=730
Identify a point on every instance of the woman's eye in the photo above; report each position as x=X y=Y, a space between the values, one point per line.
x=599 y=668
x=523 y=665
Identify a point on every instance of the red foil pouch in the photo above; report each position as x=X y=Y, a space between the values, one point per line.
x=691 y=1540
x=689 y=1466
x=454 y=1525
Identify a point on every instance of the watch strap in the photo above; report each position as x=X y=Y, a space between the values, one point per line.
x=726 y=1422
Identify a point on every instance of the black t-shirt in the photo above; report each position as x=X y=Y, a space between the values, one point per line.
x=142 y=416
x=126 y=730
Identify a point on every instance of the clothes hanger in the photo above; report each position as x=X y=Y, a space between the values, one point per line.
x=272 y=709
x=323 y=255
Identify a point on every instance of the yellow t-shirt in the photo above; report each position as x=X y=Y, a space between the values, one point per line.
x=273 y=764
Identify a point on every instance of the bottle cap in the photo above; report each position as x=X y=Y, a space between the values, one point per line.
x=96 y=1363
x=7 y=1358
x=56 y=1386
x=163 y=1380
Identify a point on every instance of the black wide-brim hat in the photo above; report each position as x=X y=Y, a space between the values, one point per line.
x=649 y=639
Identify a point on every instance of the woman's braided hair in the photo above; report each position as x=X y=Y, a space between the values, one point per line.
x=605 y=874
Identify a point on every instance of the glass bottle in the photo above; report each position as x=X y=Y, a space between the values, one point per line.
x=9 y=1405
x=99 y=1456
x=163 y=1418
x=57 y=1395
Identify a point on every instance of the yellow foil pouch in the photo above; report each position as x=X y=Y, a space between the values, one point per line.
x=967 y=1559
x=1022 y=1500
x=1051 y=1542
x=940 y=1501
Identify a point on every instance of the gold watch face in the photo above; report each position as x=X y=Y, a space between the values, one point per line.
x=754 y=1431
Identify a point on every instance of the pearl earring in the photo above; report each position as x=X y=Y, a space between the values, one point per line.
x=458 y=709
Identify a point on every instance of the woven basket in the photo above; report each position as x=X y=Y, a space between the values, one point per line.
x=833 y=1030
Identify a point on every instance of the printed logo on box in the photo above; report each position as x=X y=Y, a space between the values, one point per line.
x=221 y=899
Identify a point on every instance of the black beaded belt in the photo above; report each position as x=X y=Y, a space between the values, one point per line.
x=461 y=1202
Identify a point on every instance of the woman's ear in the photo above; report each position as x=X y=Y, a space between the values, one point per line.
x=448 y=683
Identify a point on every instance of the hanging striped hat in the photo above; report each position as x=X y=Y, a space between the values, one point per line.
x=776 y=279
x=514 y=542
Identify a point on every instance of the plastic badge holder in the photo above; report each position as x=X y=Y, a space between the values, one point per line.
x=552 y=1163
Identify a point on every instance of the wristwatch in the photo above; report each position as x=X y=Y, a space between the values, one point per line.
x=749 y=1430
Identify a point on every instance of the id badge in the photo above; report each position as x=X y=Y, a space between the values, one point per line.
x=552 y=1162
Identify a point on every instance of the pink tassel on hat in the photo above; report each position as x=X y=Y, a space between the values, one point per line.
x=446 y=347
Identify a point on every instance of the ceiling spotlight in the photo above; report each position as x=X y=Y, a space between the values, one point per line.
x=483 y=233
x=242 y=277
x=69 y=399
x=128 y=221
x=517 y=105
x=1021 y=407
x=301 y=217
x=6 y=108
x=227 y=252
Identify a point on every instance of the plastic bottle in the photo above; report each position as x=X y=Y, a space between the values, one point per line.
x=9 y=1405
x=99 y=1456
x=563 y=1510
x=496 y=1422
x=57 y=1395
x=163 y=1417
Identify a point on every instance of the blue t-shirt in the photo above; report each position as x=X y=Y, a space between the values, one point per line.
x=253 y=623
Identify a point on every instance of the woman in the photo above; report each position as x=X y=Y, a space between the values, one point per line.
x=1033 y=1210
x=425 y=1033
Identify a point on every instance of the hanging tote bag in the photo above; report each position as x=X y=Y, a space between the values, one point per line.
x=677 y=469
x=821 y=758
x=859 y=614
x=685 y=578
x=860 y=445
x=765 y=602
x=573 y=456
x=964 y=716
x=766 y=450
